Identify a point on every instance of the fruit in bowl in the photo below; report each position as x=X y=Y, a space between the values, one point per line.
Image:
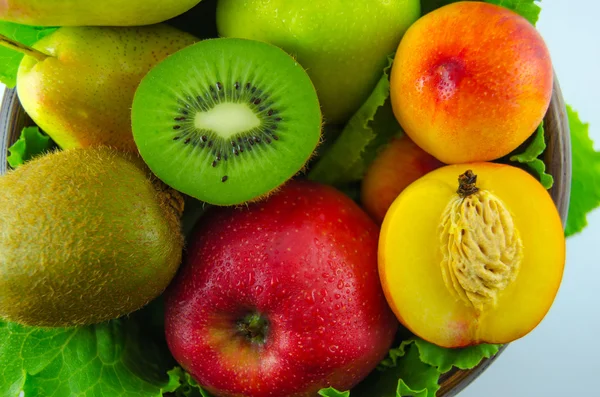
x=235 y=129
x=91 y=214
x=400 y=163
x=472 y=243
x=78 y=83
x=283 y=295
x=285 y=287
x=83 y=13
x=479 y=90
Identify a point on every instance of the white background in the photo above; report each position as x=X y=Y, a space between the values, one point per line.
x=561 y=357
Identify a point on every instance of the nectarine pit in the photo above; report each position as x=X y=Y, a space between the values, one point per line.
x=481 y=247
x=254 y=328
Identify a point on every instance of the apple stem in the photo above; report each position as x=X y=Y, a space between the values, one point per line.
x=466 y=184
x=254 y=327
x=22 y=48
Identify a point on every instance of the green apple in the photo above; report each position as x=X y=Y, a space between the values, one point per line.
x=343 y=44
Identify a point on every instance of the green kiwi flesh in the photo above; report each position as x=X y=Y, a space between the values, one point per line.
x=88 y=235
x=226 y=121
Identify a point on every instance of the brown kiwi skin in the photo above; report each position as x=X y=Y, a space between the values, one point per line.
x=88 y=235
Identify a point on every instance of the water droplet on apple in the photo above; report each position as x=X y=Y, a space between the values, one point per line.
x=340 y=284
x=334 y=348
x=338 y=296
x=251 y=278
x=259 y=289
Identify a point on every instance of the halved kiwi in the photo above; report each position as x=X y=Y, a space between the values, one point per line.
x=226 y=120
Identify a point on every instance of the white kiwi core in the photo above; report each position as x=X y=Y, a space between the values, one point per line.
x=227 y=119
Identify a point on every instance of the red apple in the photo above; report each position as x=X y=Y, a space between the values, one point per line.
x=281 y=298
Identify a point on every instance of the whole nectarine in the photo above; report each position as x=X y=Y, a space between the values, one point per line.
x=471 y=81
x=398 y=165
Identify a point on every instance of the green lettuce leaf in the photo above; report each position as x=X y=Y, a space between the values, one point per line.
x=414 y=368
x=331 y=392
x=402 y=373
x=444 y=359
x=529 y=9
x=530 y=157
x=10 y=59
x=416 y=378
x=347 y=159
x=110 y=359
x=585 y=184
x=189 y=387
x=31 y=143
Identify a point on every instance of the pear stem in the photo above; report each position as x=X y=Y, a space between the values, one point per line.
x=22 y=48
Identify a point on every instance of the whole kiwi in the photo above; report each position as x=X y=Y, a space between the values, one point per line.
x=87 y=235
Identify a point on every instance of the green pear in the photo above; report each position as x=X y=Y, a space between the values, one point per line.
x=343 y=44
x=92 y=13
x=78 y=83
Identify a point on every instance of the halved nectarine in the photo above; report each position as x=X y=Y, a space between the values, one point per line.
x=472 y=254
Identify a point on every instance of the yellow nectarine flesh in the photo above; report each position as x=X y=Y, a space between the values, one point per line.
x=472 y=254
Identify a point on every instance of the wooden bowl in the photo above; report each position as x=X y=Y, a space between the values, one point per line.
x=557 y=158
